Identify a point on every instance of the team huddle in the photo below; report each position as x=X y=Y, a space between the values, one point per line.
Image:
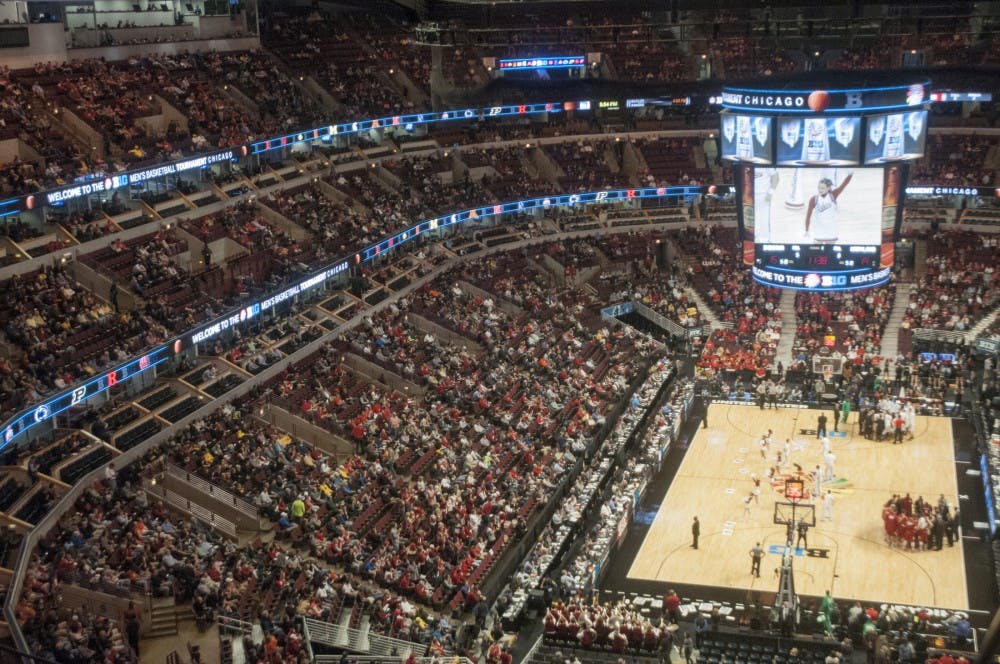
x=888 y=418
x=918 y=524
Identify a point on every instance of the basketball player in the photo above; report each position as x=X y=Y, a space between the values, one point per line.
x=762 y=144
x=828 y=506
x=828 y=460
x=765 y=182
x=790 y=146
x=728 y=134
x=823 y=206
x=876 y=131
x=746 y=506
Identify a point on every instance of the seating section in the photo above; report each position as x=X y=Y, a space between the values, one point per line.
x=61 y=448
x=10 y=492
x=588 y=166
x=851 y=323
x=956 y=159
x=748 y=343
x=644 y=61
x=349 y=511
x=60 y=327
x=349 y=59
x=87 y=462
x=37 y=505
x=747 y=58
x=513 y=177
x=671 y=162
x=959 y=288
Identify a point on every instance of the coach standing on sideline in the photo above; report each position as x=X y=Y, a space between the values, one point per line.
x=695 y=532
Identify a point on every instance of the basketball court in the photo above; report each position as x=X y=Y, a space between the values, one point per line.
x=848 y=555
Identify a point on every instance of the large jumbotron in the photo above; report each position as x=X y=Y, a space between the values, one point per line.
x=452 y=332
x=821 y=193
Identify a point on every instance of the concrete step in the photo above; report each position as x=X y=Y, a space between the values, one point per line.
x=786 y=345
x=239 y=654
x=890 y=338
x=919 y=258
x=364 y=628
x=979 y=328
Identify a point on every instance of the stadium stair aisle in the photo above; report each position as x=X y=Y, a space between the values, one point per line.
x=980 y=328
x=787 y=342
x=919 y=259
x=703 y=308
x=890 y=340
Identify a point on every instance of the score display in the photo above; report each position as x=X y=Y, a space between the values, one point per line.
x=557 y=62
x=818 y=229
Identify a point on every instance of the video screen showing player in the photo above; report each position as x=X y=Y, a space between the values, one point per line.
x=818 y=206
x=896 y=136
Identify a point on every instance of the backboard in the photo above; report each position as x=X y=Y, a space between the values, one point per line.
x=785 y=513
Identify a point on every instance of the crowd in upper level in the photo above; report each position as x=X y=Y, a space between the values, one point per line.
x=338 y=67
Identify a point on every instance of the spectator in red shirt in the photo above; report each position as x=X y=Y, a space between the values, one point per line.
x=672 y=606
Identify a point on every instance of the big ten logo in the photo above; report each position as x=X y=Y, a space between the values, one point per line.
x=818 y=553
x=853 y=100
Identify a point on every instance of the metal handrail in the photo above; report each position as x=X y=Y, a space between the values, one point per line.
x=176 y=500
x=214 y=490
x=342 y=636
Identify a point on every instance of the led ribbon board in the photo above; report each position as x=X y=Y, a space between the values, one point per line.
x=81 y=393
x=99 y=185
x=819 y=100
x=557 y=62
x=408 y=120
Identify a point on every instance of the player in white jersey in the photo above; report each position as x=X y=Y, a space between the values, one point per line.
x=765 y=181
x=821 y=214
x=816 y=144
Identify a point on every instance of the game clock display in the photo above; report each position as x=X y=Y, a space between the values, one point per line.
x=819 y=267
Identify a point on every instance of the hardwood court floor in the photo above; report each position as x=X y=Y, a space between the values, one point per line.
x=714 y=478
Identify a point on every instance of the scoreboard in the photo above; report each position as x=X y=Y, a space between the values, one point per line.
x=820 y=228
x=820 y=179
